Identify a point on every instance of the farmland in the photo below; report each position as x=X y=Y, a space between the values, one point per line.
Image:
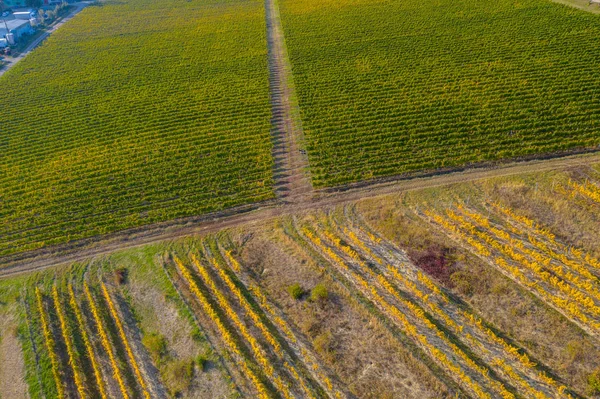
x=474 y=284
x=132 y=113
x=481 y=289
x=389 y=87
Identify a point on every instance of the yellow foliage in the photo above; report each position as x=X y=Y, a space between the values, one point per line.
x=226 y=336
x=117 y=320
x=105 y=341
x=68 y=336
x=50 y=344
x=86 y=342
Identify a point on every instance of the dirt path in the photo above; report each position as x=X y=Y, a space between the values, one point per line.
x=260 y=213
x=291 y=174
x=12 y=364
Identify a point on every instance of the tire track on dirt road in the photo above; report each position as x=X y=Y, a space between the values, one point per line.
x=291 y=172
x=261 y=213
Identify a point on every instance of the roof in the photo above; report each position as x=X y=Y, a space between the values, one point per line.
x=13 y=24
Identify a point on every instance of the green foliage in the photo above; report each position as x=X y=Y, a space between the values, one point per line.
x=390 y=87
x=156 y=345
x=178 y=375
x=319 y=293
x=135 y=112
x=295 y=290
x=594 y=383
x=202 y=361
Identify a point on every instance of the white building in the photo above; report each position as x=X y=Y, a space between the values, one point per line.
x=17 y=27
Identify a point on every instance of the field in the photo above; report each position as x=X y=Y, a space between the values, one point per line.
x=483 y=289
x=168 y=110
x=487 y=288
x=135 y=112
x=388 y=87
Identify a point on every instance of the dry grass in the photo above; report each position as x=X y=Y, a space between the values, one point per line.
x=179 y=370
x=349 y=340
x=12 y=366
x=548 y=336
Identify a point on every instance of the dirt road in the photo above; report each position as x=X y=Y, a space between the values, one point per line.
x=292 y=180
x=260 y=213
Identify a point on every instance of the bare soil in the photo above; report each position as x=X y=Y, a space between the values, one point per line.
x=12 y=365
x=261 y=213
x=292 y=180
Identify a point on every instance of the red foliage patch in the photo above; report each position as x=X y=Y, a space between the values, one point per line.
x=436 y=262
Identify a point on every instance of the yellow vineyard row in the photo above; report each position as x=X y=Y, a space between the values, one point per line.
x=67 y=335
x=467 y=318
x=106 y=344
x=226 y=336
x=86 y=342
x=50 y=344
x=515 y=273
x=409 y=328
x=115 y=316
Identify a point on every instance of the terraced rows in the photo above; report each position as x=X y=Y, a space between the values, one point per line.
x=142 y=124
x=394 y=87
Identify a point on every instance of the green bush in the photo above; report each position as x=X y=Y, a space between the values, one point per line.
x=594 y=382
x=296 y=291
x=319 y=293
x=156 y=345
x=202 y=361
x=179 y=375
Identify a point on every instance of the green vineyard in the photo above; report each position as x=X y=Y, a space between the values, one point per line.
x=138 y=112
x=393 y=87
x=135 y=112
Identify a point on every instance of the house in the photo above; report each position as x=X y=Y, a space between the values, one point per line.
x=17 y=27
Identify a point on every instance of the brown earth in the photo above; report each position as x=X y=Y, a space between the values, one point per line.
x=260 y=213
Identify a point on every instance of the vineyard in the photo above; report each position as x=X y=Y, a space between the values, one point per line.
x=167 y=110
x=388 y=87
x=161 y=111
x=480 y=290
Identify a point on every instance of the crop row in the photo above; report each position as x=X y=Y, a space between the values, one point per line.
x=559 y=281
x=84 y=351
x=411 y=318
x=504 y=357
x=389 y=88
x=275 y=362
x=135 y=129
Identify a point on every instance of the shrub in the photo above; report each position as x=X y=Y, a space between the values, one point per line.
x=202 y=361
x=178 y=376
x=319 y=293
x=121 y=275
x=594 y=382
x=296 y=291
x=156 y=345
x=463 y=282
x=324 y=345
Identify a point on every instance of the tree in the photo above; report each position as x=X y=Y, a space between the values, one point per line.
x=33 y=3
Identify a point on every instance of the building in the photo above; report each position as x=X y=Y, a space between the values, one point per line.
x=17 y=27
x=24 y=15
